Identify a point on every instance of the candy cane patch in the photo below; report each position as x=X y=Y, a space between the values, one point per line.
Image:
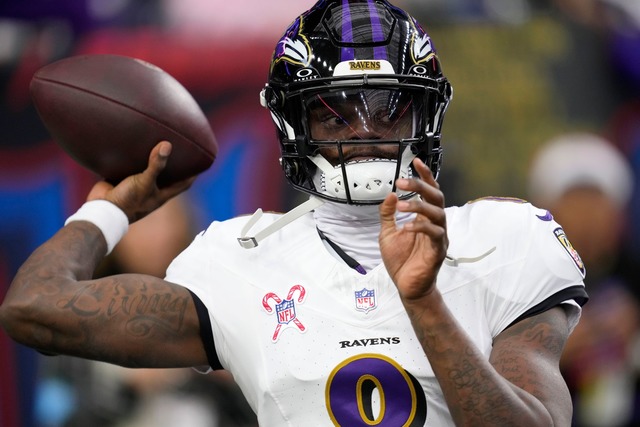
x=285 y=310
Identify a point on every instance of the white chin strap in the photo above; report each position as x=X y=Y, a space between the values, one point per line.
x=369 y=180
x=249 y=242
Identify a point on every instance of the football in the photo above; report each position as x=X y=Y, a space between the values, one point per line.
x=108 y=111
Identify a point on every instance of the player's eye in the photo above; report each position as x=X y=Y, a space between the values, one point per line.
x=333 y=120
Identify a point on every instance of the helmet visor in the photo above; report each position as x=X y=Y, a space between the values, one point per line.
x=346 y=114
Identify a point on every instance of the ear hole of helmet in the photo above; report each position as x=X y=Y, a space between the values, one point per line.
x=272 y=98
x=291 y=167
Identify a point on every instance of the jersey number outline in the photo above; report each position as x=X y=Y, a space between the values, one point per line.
x=350 y=387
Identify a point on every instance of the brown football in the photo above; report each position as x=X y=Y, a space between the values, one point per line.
x=108 y=111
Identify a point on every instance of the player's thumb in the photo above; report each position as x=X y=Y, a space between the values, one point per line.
x=159 y=157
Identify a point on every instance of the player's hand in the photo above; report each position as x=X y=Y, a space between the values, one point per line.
x=413 y=254
x=139 y=195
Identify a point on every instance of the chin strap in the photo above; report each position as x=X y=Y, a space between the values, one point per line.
x=249 y=242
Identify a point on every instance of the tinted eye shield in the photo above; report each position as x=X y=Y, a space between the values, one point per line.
x=393 y=111
x=350 y=114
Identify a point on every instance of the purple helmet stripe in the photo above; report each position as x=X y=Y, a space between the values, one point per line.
x=379 y=52
x=347 y=53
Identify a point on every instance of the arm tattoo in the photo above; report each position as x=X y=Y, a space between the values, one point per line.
x=521 y=373
x=54 y=305
x=141 y=307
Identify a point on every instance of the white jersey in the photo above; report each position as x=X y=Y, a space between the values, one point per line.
x=312 y=342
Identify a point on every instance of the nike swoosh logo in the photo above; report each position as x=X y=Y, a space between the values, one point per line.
x=546 y=217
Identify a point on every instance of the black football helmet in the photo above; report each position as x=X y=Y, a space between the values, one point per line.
x=353 y=74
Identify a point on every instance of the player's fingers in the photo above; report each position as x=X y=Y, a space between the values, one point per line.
x=425 y=172
x=435 y=231
x=387 y=211
x=431 y=220
x=431 y=200
x=426 y=186
x=427 y=213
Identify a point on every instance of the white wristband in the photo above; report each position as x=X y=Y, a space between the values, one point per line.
x=110 y=219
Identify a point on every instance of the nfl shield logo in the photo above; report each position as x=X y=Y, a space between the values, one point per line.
x=286 y=311
x=365 y=300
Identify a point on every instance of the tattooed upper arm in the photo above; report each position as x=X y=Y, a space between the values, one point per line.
x=129 y=320
x=528 y=354
x=132 y=320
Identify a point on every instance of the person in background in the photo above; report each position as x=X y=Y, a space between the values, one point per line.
x=586 y=183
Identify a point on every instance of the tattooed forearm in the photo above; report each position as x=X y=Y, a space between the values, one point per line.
x=514 y=386
x=480 y=396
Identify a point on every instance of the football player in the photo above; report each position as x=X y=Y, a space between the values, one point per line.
x=369 y=304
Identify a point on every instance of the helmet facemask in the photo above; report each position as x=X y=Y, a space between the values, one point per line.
x=349 y=140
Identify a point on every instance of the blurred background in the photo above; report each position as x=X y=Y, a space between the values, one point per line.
x=546 y=108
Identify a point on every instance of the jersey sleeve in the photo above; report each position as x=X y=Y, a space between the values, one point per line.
x=541 y=269
x=191 y=269
x=214 y=268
